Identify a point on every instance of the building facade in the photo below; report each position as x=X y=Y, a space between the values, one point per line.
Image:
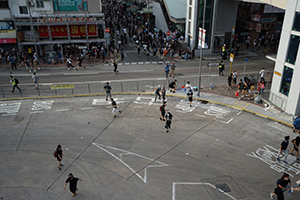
x=285 y=92
x=48 y=24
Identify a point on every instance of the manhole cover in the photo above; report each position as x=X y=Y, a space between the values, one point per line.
x=224 y=187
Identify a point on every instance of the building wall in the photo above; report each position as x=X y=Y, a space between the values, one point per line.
x=226 y=15
x=292 y=100
x=94 y=6
x=5 y=14
x=160 y=21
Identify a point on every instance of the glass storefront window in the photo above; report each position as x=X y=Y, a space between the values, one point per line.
x=296 y=26
x=208 y=18
x=286 y=80
x=293 y=49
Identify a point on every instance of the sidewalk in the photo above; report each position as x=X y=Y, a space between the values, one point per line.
x=269 y=112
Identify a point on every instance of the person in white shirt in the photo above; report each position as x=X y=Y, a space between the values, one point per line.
x=262 y=73
x=188 y=87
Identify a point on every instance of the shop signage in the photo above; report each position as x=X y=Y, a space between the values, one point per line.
x=7 y=41
x=66 y=19
x=201 y=40
x=64 y=86
x=272 y=9
x=8 y=34
x=61 y=30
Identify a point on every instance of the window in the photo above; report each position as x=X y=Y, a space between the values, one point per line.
x=286 y=80
x=23 y=10
x=296 y=26
x=293 y=49
x=39 y=3
x=190 y=13
x=191 y=2
x=3 y=3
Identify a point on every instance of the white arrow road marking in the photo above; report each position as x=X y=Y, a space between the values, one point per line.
x=144 y=179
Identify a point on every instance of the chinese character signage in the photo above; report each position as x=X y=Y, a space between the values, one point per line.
x=8 y=34
x=72 y=5
x=67 y=19
x=61 y=30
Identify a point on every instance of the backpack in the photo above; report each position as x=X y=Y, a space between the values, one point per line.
x=160 y=108
x=55 y=154
x=16 y=81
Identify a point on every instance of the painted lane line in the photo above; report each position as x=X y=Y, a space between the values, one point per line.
x=201 y=115
x=120 y=63
x=62 y=110
x=35 y=112
x=87 y=108
x=180 y=111
x=224 y=121
x=133 y=63
x=160 y=62
x=5 y=115
x=127 y=63
x=147 y=63
x=204 y=184
x=124 y=153
x=154 y=62
x=80 y=74
x=239 y=113
x=140 y=63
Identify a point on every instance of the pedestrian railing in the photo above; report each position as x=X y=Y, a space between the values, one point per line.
x=278 y=101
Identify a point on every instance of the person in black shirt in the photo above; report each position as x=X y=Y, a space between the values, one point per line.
x=229 y=80
x=172 y=86
x=282 y=185
x=72 y=183
x=114 y=106
x=59 y=156
x=79 y=62
x=115 y=66
x=283 y=148
x=163 y=111
x=169 y=117
x=190 y=97
x=296 y=142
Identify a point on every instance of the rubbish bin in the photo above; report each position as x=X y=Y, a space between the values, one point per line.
x=51 y=57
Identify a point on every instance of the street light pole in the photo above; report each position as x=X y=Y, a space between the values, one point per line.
x=201 y=51
x=148 y=14
x=32 y=31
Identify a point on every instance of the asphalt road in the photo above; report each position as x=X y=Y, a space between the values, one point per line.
x=211 y=152
x=102 y=72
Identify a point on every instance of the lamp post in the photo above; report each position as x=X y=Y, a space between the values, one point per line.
x=201 y=51
x=32 y=31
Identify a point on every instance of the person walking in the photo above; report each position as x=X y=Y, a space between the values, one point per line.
x=13 y=62
x=282 y=186
x=69 y=63
x=157 y=93
x=262 y=73
x=172 y=86
x=172 y=73
x=27 y=65
x=79 y=63
x=261 y=86
x=114 y=106
x=115 y=67
x=72 y=183
x=169 y=117
x=163 y=110
x=188 y=86
x=59 y=156
x=221 y=68
x=296 y=142
x=163 y=92
x=107 y=89
x=234 y=77
x=190 y=97
x=15 y=83
x=229 y=80
x=283 y=148
x=35 y=80
x=138 y=50
x=166 y=70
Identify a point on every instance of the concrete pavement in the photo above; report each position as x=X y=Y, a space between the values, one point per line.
x=212 y=151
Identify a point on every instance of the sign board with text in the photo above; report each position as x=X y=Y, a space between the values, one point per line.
x=5 y=34
x=61 y=30
x=201 y=41
x=64 y=86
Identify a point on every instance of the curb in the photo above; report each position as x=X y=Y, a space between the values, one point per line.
x=150 y=93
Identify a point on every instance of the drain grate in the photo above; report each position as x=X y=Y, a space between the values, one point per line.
x=224 y=187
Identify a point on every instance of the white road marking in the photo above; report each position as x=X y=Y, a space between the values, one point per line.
x=127 y=63
x=87 y=108
x=140 y=63
x=160 y=62
x=124 y=153
x=5 y=115
x=154 y=62
x=133 y=63
x=191 y=183
x=180 y=111
x=80 y=74
x=224 y=121
x=120 y=64
x=9 y=108
x=200 y=115
x=41 y=106
x=62 y=110
x=36 y=112
x=268 y=155
x=103 y=102
x=239 y=113
x=147 y=63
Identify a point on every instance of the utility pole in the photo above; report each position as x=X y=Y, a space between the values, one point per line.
x=32 y=31
x=201 y=51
